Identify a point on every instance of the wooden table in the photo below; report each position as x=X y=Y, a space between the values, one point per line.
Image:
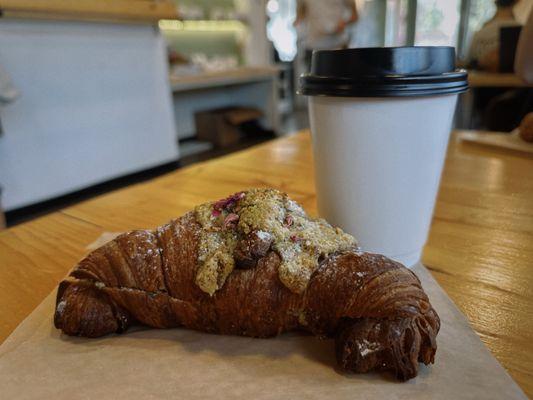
x=126 y=11
x=478 y=79
x=480 y=248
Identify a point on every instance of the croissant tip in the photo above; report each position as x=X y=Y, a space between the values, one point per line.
x=398 y=346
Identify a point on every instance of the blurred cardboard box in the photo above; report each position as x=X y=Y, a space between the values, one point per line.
x=221 y=126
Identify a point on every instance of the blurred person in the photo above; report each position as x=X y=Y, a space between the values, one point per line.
x=324 y=24
x=497 y=108
x=515 y=107
x=485 y=46
x=524 y=52
x=524 y=69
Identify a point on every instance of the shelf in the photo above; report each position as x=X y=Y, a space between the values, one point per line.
x=202 y=25
x=132 y=11
x=222 y=78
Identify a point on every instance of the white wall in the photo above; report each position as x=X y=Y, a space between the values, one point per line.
x=95 y=104
x=257 y=48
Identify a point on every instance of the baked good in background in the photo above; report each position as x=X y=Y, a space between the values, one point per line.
x=526 y=128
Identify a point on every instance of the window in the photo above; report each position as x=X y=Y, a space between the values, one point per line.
x=369 y=30
x=397 y=23
x=437 y=22
x=280 y=29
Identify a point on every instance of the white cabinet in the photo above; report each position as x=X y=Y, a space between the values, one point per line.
x=95 y=104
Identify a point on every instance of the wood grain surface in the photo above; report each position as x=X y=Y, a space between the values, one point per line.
x=138 y=11
x=480 y=247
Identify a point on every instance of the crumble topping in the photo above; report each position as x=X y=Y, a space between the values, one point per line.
x=299 y=239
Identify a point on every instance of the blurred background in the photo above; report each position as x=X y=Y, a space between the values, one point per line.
x=96 y=95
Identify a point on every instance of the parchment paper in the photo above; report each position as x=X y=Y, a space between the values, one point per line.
x=511 y=141
x=37 y=362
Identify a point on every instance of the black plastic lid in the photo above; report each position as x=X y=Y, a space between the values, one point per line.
x=384 y=72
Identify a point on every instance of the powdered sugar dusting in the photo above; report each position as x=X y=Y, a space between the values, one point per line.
x=263 y=235
x=365 y=347
x=61 y=307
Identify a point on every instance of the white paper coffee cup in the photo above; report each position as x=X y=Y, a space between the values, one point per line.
x=379 y=155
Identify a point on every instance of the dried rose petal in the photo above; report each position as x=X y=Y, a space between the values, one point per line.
x=294 y=238
x=215 y=212
x=231 y=220
x=288 y=220
x=228 y=202
x=233 y=199
x=219 y=205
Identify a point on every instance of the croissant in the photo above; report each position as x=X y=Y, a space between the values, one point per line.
x=255 y=264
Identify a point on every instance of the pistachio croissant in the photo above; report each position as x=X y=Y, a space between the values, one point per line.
x=255 y=264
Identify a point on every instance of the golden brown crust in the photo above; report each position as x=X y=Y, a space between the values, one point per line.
x=374 y=308
x=526 y=128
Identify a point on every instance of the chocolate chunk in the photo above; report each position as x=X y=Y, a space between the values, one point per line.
x=251 y=248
